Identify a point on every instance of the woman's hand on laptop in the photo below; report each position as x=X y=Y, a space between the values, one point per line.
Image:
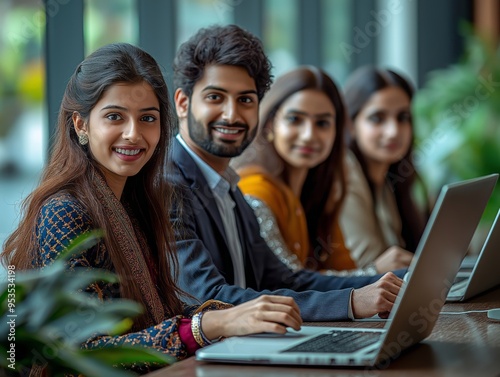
x=376 y=298
x=264 y=314
x=394 y=258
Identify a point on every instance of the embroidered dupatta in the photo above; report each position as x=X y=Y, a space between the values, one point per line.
x=131 y=240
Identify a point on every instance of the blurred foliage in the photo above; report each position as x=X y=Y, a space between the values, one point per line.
x=22 y=73
x=31 y=82
x=110 y=21
x=53 y=317
x=457 y=114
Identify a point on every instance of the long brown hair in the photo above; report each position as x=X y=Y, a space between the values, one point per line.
x=324 y=187
x=71 y=169
x=402 y=175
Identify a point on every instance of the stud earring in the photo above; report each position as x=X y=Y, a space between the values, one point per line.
x=83 y=139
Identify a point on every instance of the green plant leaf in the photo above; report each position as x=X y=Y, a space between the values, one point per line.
x=85 y=363
x=55 y=316
x=128 y=355
x=461 y=105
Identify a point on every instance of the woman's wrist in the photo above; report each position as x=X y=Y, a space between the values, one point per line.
x=212 y=326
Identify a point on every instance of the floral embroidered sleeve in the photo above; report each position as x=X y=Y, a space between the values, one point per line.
x=163 y=337
x=270 y=232
x=61 y=220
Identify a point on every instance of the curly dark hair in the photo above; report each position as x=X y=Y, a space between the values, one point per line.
x=221 y=45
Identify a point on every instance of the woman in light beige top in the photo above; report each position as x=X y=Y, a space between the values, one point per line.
x=380 y=219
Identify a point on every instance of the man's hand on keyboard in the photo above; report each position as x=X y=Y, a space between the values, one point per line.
x=376 y=298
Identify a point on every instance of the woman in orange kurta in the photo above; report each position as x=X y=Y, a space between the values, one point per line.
x=289 y=172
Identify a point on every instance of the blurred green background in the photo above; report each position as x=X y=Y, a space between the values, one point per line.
x=456 y=74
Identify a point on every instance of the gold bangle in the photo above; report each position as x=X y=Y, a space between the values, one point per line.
x=196 y=330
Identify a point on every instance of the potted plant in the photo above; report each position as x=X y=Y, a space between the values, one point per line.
x=45 y=317
x=457 y=118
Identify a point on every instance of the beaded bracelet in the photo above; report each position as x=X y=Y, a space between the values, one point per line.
x=198 y=335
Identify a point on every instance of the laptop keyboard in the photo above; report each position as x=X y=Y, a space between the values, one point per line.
x=337 y=342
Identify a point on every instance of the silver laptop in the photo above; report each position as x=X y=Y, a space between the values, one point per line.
x=485 y=274
x=437 y=259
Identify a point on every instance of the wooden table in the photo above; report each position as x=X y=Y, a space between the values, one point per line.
x=460 y=345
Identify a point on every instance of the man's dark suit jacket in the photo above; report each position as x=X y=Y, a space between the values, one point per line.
x=206 y=269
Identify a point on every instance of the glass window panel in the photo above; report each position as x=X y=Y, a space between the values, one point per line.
x=337 y=30
x=109 y=21
x=23 y=140
x=195 y=14
x=280 y=34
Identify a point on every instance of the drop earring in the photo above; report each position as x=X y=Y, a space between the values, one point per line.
x=83 y=139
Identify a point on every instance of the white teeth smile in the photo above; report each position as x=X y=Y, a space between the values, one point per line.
x=128 y=152
x=227 y=131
